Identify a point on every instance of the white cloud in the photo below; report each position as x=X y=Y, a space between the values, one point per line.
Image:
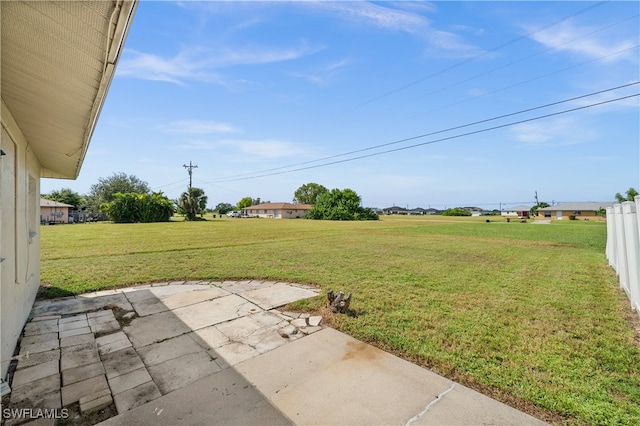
x=324 y=75
x=267 y=148
x=198 y=127
x=566 y=36
x=554 y=131
x=378 y=15
x=200 y=63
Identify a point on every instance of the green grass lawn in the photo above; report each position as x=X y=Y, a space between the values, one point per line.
x=529 y=314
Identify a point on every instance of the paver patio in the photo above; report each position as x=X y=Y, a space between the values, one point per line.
x=74 y=350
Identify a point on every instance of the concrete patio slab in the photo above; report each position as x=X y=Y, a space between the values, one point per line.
x=157 y=353
x=223 y=398
x=209 y=337
x=152 y=306
x=278 y=294
x=379 y=387
x=214 y=312
x=145 y=330
x=215 y=356
x=181 y=371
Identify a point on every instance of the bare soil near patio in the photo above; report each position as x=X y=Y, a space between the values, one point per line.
x=531 y=315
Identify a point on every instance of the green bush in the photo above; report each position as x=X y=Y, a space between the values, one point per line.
x=457 y=211
x=340 y=205
x=132 y=207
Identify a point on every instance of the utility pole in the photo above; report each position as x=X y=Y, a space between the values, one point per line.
x=190 y=168
x=537 y=202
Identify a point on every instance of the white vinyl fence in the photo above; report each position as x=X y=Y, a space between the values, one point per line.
x=623 y=247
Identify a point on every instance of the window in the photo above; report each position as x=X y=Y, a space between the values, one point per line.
x=547 y=214
x=577 y=213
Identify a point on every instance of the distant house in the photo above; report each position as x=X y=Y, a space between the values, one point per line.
x=475 y=211
x=432 y=211
x=416 y=211
x=519 y=211
x=277 y=210
x=579 y=211
x=54 y=212
x=395 y=210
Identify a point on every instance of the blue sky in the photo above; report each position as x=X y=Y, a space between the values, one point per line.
x=245 y=89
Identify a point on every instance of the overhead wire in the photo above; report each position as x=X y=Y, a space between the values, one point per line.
x=436 y=140
x=233 y=177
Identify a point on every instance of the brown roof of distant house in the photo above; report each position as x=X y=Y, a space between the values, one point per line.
x=280 y=206
x=49 y=203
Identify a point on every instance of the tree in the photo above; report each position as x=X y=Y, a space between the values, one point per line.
x=104 y=191
x=340 y=205
x=132 y=207
x=67 y=196
x=193 y=203
x=308 y=193
x=534 y=210
x=245 y=202
x=630 y=195
x=456 y=211
x=223 y=208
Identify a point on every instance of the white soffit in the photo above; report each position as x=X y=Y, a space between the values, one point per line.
x=58 y=60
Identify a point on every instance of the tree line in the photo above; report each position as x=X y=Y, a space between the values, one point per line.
x=125 y=198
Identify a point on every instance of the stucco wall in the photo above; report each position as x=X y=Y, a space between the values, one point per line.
x=49 y=214
x=19 y=235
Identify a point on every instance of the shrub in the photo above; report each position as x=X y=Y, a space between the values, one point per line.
x=457 y=211
x=132 y=207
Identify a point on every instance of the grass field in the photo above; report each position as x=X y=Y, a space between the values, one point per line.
x=529 y=314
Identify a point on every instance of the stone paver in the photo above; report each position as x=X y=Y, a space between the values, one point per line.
x=38 y=358
x=41 y=327
x=83 y=372
x=121 y=362
x=73 y=393
x=112 y=342
x=73 y=318
x=79 y=355
x=181 y=332
x=95 y=401
x=80 y=339
x=36 y=372
x=135 y=397
x=75 y=332
x=129 y=380
x=38 y=391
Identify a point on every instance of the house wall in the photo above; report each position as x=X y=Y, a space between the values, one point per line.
x=19 y=234
x=585 y=214
x=277 y=213
x=46 y=214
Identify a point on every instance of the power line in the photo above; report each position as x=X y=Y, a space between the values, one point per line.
x=233 y=177
x=437 y=140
